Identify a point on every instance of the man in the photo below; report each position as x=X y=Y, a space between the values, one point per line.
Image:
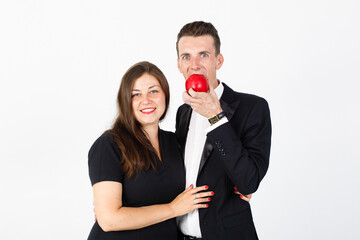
x=225 y=139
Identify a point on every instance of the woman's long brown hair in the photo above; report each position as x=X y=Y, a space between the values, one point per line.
x=137 y=152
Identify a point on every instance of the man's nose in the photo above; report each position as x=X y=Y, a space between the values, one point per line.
x=195 y=63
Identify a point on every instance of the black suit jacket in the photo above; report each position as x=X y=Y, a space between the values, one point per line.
x=235 y=154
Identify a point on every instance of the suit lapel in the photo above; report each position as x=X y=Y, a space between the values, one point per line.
x=208 y=148
x=228 y=102
x=182 y=130
x=229 y=105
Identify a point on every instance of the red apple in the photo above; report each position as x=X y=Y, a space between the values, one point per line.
x=197 y=82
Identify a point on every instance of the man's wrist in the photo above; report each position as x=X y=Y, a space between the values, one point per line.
x=214 y=119
x=214 y=112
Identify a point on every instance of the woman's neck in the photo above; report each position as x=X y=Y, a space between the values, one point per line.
x=152 y=134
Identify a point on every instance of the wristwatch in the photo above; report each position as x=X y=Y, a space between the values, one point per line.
x=216 y=118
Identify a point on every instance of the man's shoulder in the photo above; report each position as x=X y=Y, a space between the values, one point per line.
x=241 y=97
x=182 y=108
x=167 y=134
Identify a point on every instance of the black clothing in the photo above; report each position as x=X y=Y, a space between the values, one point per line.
x=144 y=188
x=235 y=154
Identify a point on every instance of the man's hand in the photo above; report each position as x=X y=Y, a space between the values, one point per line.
x=206 y=104
x=245 y=198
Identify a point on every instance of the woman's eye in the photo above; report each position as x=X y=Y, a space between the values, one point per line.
x=136 y=95
x=154 y=91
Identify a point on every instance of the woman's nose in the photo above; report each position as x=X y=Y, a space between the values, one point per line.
x=145 y=98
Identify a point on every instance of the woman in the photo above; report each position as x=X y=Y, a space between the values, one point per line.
x=136 y=168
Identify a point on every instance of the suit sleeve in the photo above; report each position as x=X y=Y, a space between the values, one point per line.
x=245 y=150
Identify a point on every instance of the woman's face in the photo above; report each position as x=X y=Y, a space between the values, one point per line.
x=148 y=100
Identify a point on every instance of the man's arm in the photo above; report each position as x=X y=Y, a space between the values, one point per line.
x=199 y=102
x=246 y=160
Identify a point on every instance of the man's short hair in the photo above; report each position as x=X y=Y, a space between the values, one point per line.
x=196 y=29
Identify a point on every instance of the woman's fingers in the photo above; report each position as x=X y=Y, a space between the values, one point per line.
x=204 y=194
x=197 y=206
x=190 y=199
x=200 y=198
x=201 y=202
x=246 y=197
x=189 y=188
x=199 y=189
x=243 y=197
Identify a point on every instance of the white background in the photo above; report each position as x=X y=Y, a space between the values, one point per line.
x=60 y=68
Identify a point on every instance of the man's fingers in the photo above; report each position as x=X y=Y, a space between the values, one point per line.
x=191 y=92
x=190 y=100
x=197 y=95
x=211 y=88
x=186 y=97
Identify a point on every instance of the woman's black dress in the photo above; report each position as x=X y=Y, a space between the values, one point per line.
x=144 y=188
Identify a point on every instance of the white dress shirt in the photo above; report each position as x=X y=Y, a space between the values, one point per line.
x=198 y=128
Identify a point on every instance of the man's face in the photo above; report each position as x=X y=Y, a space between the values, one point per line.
x=197 y=56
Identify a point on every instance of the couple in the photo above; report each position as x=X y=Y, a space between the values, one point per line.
x=222 y=139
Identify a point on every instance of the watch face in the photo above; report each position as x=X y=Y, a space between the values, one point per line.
x=214 y=119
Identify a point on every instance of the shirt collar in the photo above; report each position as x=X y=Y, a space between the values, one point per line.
x=219 y=90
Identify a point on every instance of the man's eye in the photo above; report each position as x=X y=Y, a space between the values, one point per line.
x=204 y=55
x=186 y=57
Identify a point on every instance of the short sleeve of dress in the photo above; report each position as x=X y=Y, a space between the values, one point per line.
x=104 y=160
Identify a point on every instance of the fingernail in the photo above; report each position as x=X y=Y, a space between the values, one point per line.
x=191 y=185
x=241 y=196
x=207 y=205
x=209 y=199
x=212 y=193
x=206 y=187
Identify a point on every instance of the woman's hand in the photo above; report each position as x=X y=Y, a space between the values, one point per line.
x=191 y=199
x=243 y=197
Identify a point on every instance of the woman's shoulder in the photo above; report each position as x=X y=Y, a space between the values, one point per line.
x=104 y=141
x=106 y=136
x=104 y=160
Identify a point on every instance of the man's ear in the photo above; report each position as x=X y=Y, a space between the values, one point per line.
x=220 y=61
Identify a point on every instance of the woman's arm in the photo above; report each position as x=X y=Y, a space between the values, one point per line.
x=112 y=216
